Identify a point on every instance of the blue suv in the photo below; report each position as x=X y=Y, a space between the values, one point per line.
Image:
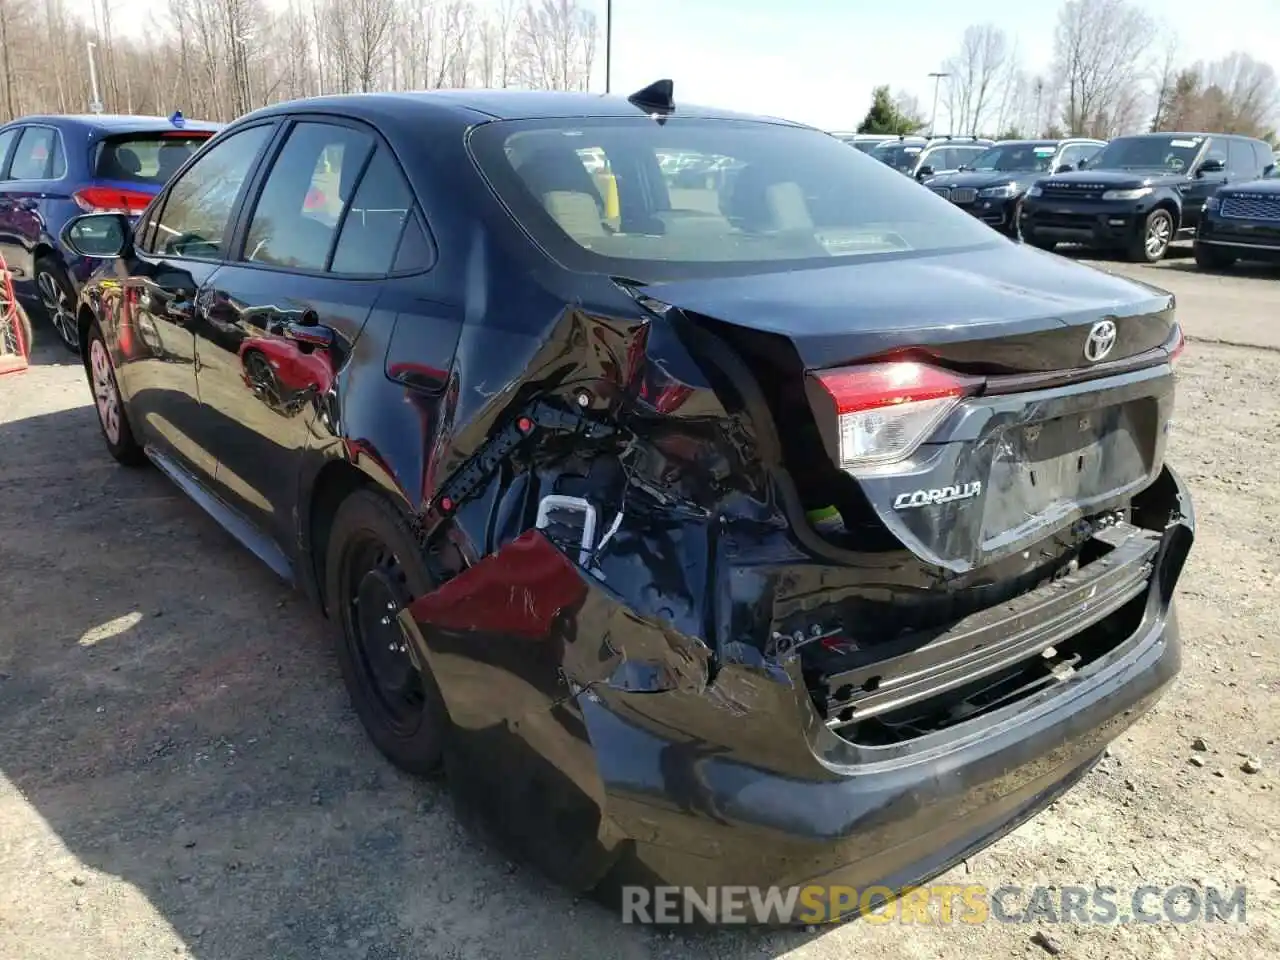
x=54 y=168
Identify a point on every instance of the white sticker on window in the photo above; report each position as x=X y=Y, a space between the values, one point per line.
x=1185 y=143
x=1046 y=151
x=911 y=149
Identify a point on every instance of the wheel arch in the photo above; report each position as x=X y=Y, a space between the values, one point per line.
x=336 y=480
x=1171 y=204
x=84 y=320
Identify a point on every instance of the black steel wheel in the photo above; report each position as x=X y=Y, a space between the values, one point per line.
x=374 y=569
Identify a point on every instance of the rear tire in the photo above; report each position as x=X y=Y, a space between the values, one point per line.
x=1152 y=241
x=373 y=569
x=108 y=403
x=58 y=300
x=1211 y=258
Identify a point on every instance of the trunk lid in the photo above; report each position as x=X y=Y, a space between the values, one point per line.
x=1041 y=435
x=1011 y=308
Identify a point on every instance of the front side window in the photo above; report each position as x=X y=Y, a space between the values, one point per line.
x=38 y=156
x=296 y=217
x=1240 y=159
x=1217 y=151
x=744 y=196
x=6 y=141
x=200 y=203
x=1153 y=153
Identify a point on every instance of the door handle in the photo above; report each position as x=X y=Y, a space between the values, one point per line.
x=312 y=334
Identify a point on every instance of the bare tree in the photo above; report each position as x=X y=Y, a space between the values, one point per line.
x=216 y=59
x=371 y=24
x=1099 y=51
x=555 y=40
x=977 y=71
x=1250 y=94
x=1166 y=81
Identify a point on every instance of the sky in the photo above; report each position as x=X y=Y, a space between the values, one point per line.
x=816 y=61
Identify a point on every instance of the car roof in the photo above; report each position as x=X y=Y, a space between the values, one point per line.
x=478 y=106
x=1190 y=133
x=120 y=123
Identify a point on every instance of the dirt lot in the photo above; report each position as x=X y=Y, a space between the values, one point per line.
x=180 y=772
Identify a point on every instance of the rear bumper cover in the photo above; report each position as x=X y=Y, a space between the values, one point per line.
x=642 y=759
x=723 y=823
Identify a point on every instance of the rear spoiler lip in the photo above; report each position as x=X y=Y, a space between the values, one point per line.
x=1028 y=382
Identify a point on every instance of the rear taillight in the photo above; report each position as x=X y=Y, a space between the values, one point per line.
x=884 y=411
x=111 y=200
x=1179 y=345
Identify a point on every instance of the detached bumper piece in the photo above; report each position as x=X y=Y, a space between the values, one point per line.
x=997 y=656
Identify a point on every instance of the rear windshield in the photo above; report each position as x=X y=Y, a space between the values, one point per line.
x=693 y=197
x=150 y=158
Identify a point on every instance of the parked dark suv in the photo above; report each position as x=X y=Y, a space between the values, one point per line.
x=1139 y=193
x=992 y=185
x=807 y=531
x=1241 y=222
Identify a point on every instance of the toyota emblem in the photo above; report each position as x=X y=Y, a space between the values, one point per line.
x=1102 y=337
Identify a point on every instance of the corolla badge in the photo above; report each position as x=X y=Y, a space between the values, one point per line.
x=1101 y=338
x=925 y=498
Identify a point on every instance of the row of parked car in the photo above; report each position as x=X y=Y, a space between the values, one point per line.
x=1135 y=195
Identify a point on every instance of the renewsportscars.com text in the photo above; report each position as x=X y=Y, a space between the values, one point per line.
x=935 y=904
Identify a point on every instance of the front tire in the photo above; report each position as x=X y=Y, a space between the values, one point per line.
x=1152 y=241
x=112 y=418
x=58 y=299
x=1211 y=258
x=373 y=569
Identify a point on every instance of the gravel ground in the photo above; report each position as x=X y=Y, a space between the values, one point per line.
x=180 y=772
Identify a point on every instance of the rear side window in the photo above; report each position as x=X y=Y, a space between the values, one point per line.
x=149 y=158
x=39 y=155
x=375 y=219
x=296 y=217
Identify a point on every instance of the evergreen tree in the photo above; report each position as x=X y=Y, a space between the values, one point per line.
x=885 y=116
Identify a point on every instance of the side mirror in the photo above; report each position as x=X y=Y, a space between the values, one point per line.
x=925 y=171
x=963 y=167
x=1065 y=168
x=101 y=236
x=1212 y=165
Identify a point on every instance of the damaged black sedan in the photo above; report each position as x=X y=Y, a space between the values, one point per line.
x=786 y=528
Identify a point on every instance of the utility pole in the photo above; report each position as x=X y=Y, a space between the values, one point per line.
x=95 y=105
x=608 y=43
x=933 y=117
